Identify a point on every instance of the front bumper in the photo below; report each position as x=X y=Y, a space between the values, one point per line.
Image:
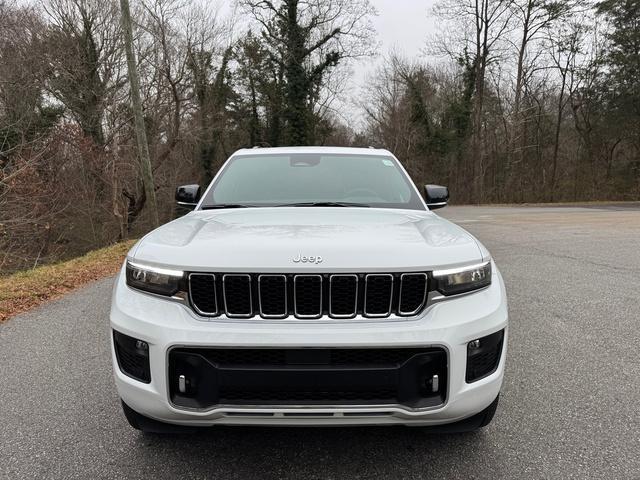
x=447 y=325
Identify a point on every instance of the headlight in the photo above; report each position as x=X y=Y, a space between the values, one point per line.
x=162 y=281
x=464 y=279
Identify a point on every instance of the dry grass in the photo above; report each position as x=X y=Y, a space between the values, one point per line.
x=22 y=291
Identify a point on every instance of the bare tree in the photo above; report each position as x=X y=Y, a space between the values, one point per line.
x=84 y=57
x=141 y=134
x=533 y=18
x=482 y=26
x=564 y=45
x=308 y=38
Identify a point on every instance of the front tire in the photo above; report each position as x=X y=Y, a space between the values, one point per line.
x=149 y=425
x=489 y=412
x=476 y=422
x=131 y=416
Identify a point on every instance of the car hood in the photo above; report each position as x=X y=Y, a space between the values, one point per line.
x=270 y=239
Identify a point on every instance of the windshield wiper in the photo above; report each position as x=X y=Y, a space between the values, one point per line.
x=323 y=204
x=297 y=204
x=225 y=205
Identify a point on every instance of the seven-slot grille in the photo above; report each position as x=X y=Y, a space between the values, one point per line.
x=308 y=296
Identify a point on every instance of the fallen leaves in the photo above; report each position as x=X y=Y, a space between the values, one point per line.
x=25 y=290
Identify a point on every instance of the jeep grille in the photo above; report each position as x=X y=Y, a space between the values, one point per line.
x=308 y=296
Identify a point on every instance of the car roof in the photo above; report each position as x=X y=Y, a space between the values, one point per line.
x=316 y=150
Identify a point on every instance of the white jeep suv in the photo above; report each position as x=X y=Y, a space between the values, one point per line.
x=309 y=286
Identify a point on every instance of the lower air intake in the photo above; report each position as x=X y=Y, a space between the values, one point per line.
x=133 y=357
x=414 y=377
x=483 y=360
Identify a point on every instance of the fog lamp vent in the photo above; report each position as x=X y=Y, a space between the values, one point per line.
x=133 y=356
x=483 y=356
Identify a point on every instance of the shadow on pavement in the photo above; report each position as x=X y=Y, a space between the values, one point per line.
x=331 y=452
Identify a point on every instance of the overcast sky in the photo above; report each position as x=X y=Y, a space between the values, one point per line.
x=401 y=25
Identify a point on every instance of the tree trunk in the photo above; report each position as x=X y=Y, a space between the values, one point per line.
x=556 y=145
x=136 y=103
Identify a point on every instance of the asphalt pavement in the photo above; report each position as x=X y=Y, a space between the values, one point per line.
x=570 y=406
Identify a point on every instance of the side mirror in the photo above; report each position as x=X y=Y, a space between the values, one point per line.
x=188 y=196
x=436 y=196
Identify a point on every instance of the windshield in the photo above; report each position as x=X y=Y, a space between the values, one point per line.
x=303 y=178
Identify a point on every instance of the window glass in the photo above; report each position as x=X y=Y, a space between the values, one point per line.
x=267 y=180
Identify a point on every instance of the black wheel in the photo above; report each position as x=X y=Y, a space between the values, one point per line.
x=476 y=422
x=149 y=425
x=131 y=416
x=489 y=412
